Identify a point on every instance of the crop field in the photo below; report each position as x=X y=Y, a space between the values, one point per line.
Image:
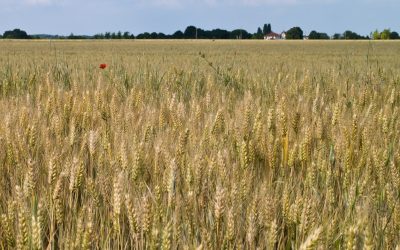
x=199 y=145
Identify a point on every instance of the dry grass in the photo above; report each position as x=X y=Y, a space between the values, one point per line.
x=246 y=145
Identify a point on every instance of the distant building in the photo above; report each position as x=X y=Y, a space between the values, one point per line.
x=275 y=36
x=272 y=36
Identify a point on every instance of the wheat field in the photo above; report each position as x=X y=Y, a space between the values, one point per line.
x=199 y=145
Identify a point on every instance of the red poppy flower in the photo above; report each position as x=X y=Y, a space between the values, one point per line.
x=103 y=66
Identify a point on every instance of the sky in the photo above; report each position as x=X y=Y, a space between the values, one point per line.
x=136 y=16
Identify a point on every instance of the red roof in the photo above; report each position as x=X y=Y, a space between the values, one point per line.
x=273 y=34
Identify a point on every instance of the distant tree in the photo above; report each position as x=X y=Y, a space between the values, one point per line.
x=72 y=36
x=239 y=34
x=178 y=35
x=259 y=34
x=218 y=34
x=145 y=35
x=317 y=35
x=267 y=29
x=337 y=36
x=119 y=35
x=324 y=36
x=126 y=35
x=162 y=36
x=385 y=34
x=246 y=35
x=154 y=35
x=376 y=35
x=190 y=32
x=350 y=35
x=202 y=34
x=394 y=35
x=294 y=33
x=16 y=34
x=313 y=35
x=99 y=36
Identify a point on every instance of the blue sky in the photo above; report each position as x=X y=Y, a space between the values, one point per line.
x=136 y=16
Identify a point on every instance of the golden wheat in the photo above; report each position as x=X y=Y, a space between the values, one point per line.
x=199 y=145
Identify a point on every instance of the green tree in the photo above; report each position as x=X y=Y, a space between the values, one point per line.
x=324 y=36
x=266 y=29
x=317 y=35
x=376 y=35
x=259 y=34
x=119 y=35
x=294 y=33
x=239 y=34
x=350 y=35
x=337 y=36
x=99 y=36
x=394 y=35
x=16 y=34
x=153 y=35
x=145 y=35
x=161 y=36
x=219 y=34
x=126 y=35
x=190 y=32
x=313 y=35
x=178 y=35
x=385 y=34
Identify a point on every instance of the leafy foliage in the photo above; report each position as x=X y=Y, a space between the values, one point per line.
x=16 y=34
x=350 y=35
x=294 y=33
x=314 y=35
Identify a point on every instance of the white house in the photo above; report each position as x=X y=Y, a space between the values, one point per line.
x=272 y=36
x=275 y=36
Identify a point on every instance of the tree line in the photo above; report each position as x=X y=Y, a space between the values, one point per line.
x=386 y=34
x=192 y=32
